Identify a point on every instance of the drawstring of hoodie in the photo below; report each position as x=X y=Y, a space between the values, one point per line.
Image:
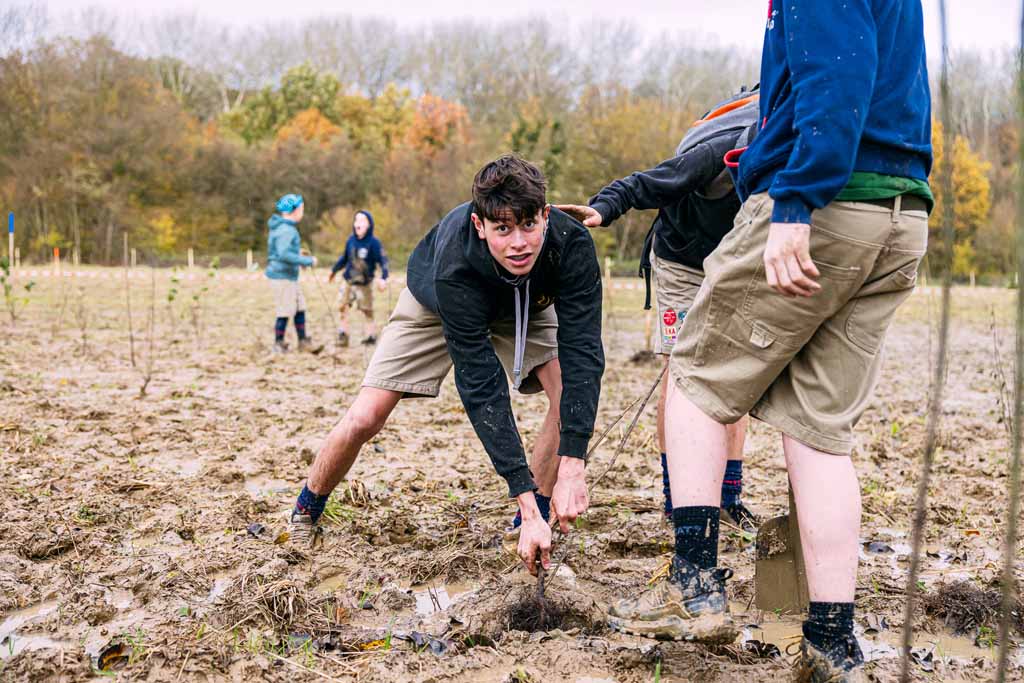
x=522 y=323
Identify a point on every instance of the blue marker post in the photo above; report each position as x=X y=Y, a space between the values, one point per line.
x=10 y=240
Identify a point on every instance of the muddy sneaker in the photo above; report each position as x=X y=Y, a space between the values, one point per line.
x=843 y=663
x=280 y=347
x=370 y=340
x=739 y=515
x=303 y=534
x=690 y=605
x=307 y=346
x=342 y=339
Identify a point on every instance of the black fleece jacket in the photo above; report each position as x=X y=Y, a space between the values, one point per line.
x=689 y=224
x=452 y=273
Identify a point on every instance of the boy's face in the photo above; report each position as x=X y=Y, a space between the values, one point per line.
x=361 y=224
x=297 y=214
x=514 y=246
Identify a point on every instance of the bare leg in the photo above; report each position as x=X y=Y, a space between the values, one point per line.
x=371 y=326
x=736 y=433
x=544 y=461
x=697 y=450
x=343 y=325
x=828 y=502
x=364 y=419
x=661 y=410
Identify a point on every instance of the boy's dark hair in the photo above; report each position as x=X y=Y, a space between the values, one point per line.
x=509 y=184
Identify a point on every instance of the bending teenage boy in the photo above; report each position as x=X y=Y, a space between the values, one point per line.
x=502 y=286
x=790 y=321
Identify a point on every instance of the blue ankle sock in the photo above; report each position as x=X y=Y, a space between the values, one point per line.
x=665 y=488
x=300 y=324
x=544 y=505
x=280 y=325
x=732 y=483
x=311 y=504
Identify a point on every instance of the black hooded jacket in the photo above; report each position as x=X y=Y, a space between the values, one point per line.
x=452 y=273
x=690 y=224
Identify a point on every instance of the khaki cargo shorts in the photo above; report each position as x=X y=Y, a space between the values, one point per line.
x=412 y=354
x=288 y=299
x=806 y=366
x=360 y=295
x=675 y=288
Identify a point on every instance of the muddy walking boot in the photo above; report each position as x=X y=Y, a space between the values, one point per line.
x=370 y=340
x=690 y=605
x=280 y=347
x=303 y=533
x=306 y=345
x=842 y=663
x=342 y=339
x=740 y=515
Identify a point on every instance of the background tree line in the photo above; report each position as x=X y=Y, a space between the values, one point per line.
x=181 y=132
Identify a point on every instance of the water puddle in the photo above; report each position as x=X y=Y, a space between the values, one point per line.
x=19 y=618
x=16 y=644
x=263 y=485
x=783 y=632
x=10 y=642
x=431 y=599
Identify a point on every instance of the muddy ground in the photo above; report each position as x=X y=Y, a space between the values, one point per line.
x=138 y=530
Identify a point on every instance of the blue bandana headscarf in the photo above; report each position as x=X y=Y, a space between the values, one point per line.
x=289 y=203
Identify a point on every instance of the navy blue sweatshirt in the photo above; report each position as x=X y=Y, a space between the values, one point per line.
x=361 y=257
x=844 y=88
x=452 y=273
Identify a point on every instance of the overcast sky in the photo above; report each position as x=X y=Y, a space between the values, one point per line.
x=974 y=23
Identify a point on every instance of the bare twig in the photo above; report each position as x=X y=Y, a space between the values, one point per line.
x=1010 y=545
x=935 y=402
x=629 y=430
x=147 y=374
x=128 y=303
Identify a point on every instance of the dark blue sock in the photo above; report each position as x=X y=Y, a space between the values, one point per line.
x=300 y=324
x=665 y=488
x=732 y=483
x=280 y=325
x=544 y=505
x=697 y=535
x=311 y=504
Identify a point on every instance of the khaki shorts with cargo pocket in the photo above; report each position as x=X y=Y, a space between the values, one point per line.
x=806 y=366
x=412 y=354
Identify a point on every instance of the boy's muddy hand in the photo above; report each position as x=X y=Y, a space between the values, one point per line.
x=534 y=537
x=589 y=216
x=569 y=500
x=330 y=278
x=382 y=284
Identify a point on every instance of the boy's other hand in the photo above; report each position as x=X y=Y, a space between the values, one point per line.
x=787 y=260
x=381 y=284
x=587 y=215
x=569 y=499
x=534 y=534
x=330 y=278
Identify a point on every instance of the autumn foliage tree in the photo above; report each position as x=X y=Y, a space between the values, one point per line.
x=971 y=201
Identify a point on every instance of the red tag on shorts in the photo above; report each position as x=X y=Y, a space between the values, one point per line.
x=669 y=317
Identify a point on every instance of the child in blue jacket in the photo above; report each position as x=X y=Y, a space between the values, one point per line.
x=284 y=258
x=363 y=253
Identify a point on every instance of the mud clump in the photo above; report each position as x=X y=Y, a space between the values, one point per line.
x=537 y=613
x=964 y=608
